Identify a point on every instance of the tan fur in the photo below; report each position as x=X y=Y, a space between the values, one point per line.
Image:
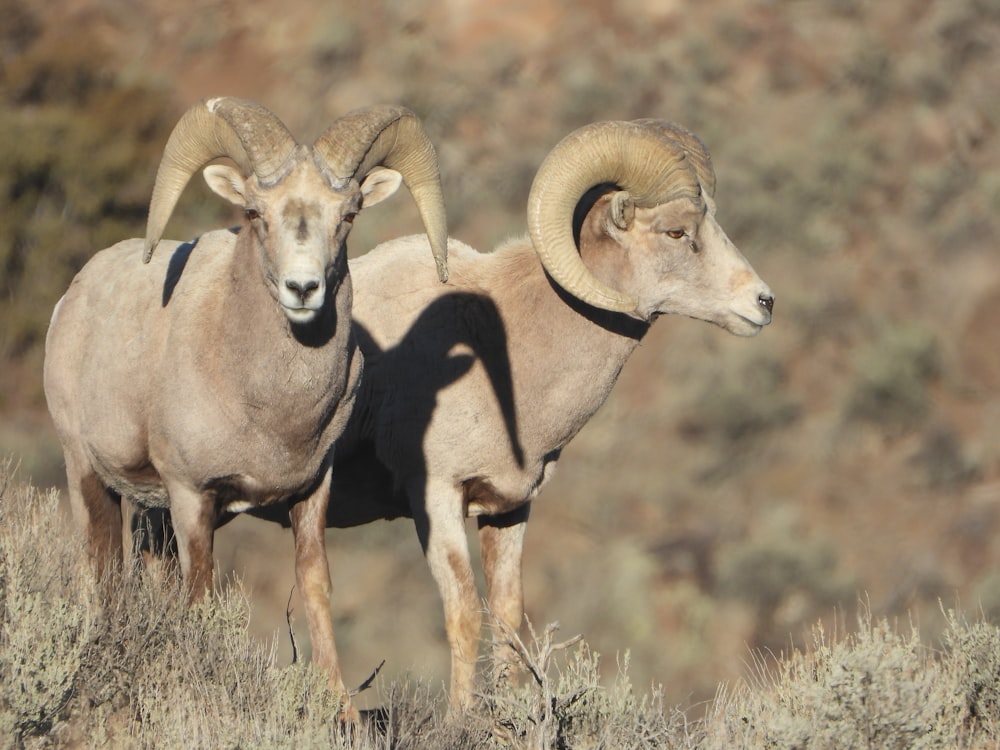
x=185 y=384
x=472 y=390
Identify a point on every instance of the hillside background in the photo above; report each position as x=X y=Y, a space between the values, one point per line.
x=731 y=492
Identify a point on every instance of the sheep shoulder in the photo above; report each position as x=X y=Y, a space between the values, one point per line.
x=108 y=326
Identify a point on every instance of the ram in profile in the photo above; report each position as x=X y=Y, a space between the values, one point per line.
x=213 y=376
x=472 y=390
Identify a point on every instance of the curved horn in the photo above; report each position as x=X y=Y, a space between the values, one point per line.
x=654 y=169
x=696 y=150
x=393 y=137
x=242 y=130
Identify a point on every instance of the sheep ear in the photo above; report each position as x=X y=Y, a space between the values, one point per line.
x=622 y=210
x=378 y=185
x=227 y=182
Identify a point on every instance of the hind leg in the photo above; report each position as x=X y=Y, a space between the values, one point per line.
x=501 y=541
x=97 y=511
x=153 y=542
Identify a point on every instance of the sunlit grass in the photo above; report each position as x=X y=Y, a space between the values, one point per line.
x=131 y=665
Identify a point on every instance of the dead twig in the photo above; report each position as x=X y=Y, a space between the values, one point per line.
x=291 y=630
x=368 y=683
x=543 y=719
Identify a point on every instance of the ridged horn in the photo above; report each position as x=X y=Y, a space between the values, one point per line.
x=390 y=136
x=653 y=168
x=696 y=150
x=249 y=134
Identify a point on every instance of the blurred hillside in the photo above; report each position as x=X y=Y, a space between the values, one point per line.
x=731 y=491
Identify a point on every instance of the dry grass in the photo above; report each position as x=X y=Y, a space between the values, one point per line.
x=129 y=665
x=876 y=687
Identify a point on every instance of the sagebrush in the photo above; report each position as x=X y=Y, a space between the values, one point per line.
x=129 y=664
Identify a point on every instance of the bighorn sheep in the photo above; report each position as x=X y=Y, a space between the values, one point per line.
x=216 y=378
x=471 y=390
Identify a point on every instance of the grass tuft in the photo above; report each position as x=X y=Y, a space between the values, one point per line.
x=129 y=664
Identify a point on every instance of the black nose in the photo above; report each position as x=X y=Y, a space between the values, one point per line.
x=301 y=289
x=766 y=301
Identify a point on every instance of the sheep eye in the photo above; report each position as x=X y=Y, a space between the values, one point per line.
x=252 y=214
x=349 y=218
x=675 y=234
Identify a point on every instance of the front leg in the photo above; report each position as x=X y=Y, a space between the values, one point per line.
x=501 y=542
x=312 y=576
x=440 y=519
x=193 y=516
x=97 y=512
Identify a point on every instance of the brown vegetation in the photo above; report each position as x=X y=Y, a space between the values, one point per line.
x=145 y=670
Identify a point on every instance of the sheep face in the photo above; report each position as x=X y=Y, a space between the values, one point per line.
x=301 y=225
x=678 y=260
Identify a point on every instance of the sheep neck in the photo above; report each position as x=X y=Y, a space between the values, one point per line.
x=272 y=363
x=581 y=349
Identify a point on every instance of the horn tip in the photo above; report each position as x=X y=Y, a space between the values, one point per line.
x=147 y=252
x=442 y=269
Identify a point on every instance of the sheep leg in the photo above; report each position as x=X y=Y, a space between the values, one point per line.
x=194 y=528
x=501 y=541
x=98 y=511
x=441 y=527
x=152 y=534
x=312 y=576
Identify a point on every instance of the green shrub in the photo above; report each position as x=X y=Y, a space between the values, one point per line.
x=561 y=702
x=892 y=377
x=974 y=648
x=871 y=71
x=740 y=403
x=942 y=459
x=44 y=639
x=875 y=688
x=75 y=174
x=789 y=583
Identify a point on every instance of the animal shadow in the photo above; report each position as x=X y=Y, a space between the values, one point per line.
x=413 y=371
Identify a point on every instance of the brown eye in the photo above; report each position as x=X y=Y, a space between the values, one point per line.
x=349 y=218
x=252 y=214
x=675 y=234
